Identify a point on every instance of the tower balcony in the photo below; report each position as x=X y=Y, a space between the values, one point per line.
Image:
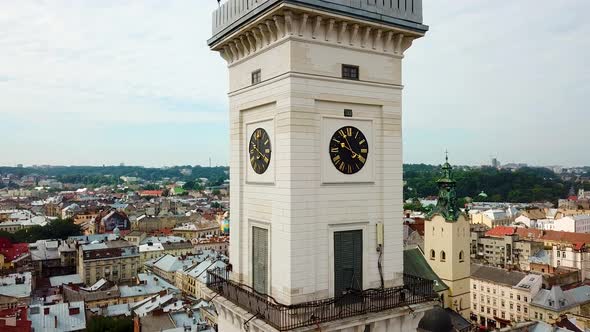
x=414 y=291
x=405 y=14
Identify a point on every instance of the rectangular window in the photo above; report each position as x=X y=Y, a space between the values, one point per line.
x=256 y=76
x=350 y=72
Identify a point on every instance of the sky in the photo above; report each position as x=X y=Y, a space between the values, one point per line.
x=117 y=81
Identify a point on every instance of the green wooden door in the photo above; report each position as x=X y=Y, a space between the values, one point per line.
x=260 y=259
x=348 y=261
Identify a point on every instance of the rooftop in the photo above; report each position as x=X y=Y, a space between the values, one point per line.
x=405 y=14
x=65 y=280
x=60 y=317
x=556 y=299
x=148 y=284
x=496 y=275
x=16 y=285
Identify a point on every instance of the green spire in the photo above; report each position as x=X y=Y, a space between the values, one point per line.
x=446 y=205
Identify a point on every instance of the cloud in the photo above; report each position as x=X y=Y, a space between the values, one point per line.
x=505 y=78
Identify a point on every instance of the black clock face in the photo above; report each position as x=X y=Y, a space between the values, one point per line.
x=260 y=150
x=349 y=150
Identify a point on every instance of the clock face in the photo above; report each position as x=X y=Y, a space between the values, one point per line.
x=349 y=149
x=260 y=150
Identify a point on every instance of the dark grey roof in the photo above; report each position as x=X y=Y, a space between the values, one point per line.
x=497 y=275
x=436 y=319
x=558 y=300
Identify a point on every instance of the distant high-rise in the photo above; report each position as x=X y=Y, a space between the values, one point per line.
x=495 y=163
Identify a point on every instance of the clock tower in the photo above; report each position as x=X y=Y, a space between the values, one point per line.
x=316 y=157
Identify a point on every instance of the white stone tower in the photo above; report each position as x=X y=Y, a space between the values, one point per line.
x=316 y=146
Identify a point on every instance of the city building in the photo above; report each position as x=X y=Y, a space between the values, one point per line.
x=191 y=231
x=60 y=317
x=500 y=297
x=491 y=218
x=501 y=246
x=446 y=244
x=16 y=290
x=550 y=305
x=193 y=280
x=53 y=257
x=146 y=285
x=116 y=261
x=316 y=165
x=577 y=224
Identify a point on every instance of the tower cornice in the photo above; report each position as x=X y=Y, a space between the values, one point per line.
x=288 y=21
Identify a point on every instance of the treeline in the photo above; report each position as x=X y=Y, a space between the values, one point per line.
x=110 y=175
x=525 y=185
x=56 y=229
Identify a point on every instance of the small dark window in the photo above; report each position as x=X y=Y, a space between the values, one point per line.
x=350 y=72
x=256 y=77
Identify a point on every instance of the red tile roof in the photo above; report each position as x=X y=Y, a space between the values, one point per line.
x=578 y=240
x=12 y=251
x=500 y=231
x=156 y=193
x=21 y=323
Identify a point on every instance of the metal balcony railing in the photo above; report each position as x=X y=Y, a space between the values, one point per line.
x=286 y=317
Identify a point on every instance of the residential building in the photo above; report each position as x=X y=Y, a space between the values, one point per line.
x=491 y=218
x=100 y=295
x=501 y=297
x=446 y=244
x=146 y=285
x=53 y=257
x=14 y=256
x=573 y=256
x=193 y=280
x=550 y=304
x=60 y=317
x=191 y=231
x=135 y=237
x=166 y=266
x=502 y=247
x=16 y=290
x=116 y=261
x=577 y=224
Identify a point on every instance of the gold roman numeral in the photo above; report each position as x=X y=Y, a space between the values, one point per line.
x=364 y=150
x=349 y=131
x=342 y=133
x=361 y=159
x=334 y=150
x=362 y=142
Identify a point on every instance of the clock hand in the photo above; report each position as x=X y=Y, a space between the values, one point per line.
x=350 y=147
x=354 y=154
x=262 y=155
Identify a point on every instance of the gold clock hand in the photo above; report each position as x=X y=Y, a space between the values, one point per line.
x=354 y=154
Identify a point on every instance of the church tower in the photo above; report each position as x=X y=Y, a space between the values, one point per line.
x=446 y=244
x=315 y=101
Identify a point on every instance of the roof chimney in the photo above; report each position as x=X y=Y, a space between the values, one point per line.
x=46 y=311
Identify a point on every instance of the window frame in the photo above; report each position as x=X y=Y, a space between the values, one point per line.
x=256 y=76
x=346 y=73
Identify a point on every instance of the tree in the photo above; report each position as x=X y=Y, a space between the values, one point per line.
x=109 y=324
x=56 y=229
